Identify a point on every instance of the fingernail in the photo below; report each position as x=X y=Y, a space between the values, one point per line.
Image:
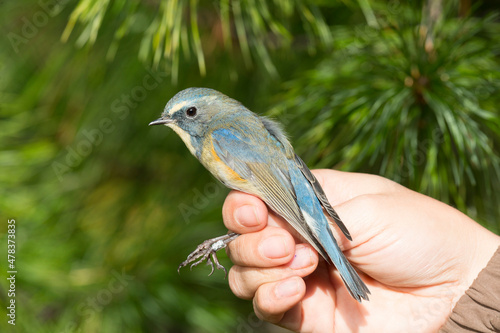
x=246 y=216
x=303 y=258
x=273 y=247
x=286 y=289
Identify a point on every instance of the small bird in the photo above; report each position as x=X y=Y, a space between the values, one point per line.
x=252 y=154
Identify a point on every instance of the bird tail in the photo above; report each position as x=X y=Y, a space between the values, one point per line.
x=350 y=277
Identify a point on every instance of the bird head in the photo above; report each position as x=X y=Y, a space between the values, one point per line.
x=191 y=112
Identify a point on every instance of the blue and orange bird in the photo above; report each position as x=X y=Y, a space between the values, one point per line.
x=250 y=153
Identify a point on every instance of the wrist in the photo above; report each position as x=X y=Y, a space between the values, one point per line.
x=477 y=310
x=486 y=244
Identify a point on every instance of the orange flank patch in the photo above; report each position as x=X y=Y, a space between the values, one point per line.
x=229 y=173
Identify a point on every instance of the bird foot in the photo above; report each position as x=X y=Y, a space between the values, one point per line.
x=207 y=251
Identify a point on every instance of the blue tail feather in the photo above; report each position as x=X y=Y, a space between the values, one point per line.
x=318 y=225
x=350 y=277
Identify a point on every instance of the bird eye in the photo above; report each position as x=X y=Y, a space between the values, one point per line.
x=191 y=112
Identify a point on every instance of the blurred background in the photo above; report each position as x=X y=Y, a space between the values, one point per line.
x=106 y=207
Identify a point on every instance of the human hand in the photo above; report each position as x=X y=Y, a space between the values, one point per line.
x=416 y=254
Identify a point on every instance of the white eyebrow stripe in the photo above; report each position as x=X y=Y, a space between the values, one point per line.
x=177 y=107
x=180 y=105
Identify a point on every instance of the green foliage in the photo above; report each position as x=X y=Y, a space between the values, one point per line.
x=251 y=26
x=415 y=100
x=107 y=207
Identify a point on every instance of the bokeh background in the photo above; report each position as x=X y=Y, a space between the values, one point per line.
x=107 y=207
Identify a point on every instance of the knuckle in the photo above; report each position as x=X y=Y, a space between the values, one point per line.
x=238 y=284
x=227 y=210
x=369 y=202
x=264 y=305
x=239 y=250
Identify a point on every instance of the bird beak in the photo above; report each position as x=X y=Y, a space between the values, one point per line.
x=161 y=121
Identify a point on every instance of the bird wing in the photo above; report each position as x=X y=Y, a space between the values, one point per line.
x=320 y=194
x=266 y=168
x=289 y=190
x=277 y=132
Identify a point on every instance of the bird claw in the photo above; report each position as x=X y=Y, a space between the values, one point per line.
x=207 y=251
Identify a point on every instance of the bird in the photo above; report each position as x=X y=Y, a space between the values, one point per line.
x=251 y=153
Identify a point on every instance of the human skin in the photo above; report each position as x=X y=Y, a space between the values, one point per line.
x=416 y=255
